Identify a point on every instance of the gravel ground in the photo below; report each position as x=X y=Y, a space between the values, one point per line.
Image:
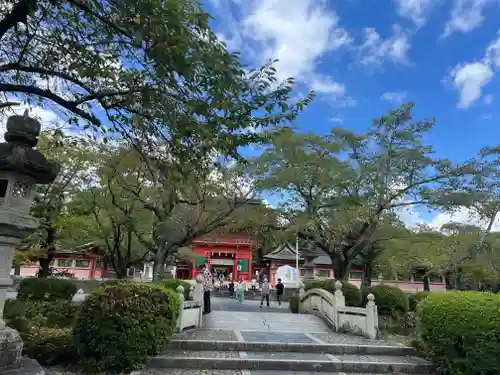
x=207 y=334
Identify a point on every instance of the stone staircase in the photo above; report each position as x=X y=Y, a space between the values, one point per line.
x=282 y=353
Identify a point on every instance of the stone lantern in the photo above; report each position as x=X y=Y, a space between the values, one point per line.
x=21 y=168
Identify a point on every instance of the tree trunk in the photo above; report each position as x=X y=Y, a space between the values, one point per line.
x=17 y=269
x=427 y=287
x=44 y=262
x=340 y=268
x=158 y=263
x=366 y=281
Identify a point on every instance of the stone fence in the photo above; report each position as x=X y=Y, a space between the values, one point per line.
x=191 y=314
x=332 y=308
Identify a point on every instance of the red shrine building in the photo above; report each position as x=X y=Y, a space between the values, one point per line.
x=229 y=255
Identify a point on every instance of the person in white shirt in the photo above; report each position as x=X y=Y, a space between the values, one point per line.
x=266 y=290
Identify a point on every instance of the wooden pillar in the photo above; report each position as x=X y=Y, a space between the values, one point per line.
x=193 y=270
x=235 y=266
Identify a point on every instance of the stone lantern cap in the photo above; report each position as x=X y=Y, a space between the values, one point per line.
x=17 y=154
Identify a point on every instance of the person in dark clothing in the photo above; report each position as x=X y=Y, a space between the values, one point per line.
x=280 y=288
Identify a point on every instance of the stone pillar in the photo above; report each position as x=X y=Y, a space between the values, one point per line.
x=21 y=168
x=308 y=267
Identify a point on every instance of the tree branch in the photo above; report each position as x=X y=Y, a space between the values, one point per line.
x=47 y=94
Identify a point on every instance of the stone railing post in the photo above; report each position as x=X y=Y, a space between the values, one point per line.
x=21 y=169
x=180 y=291
x=191 y=291
x=371 y=317
x=338 y=295
x=302 y=291
x=198 y=297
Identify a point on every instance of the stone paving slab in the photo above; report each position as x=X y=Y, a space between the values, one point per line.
x=183 y=371
x=243 y=320
x=344 y=338
x=277 y=337
x=200 y=354
x=207 y=334
x=289 y=356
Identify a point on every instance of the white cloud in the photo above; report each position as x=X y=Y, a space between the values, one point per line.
x=339 y=120
x=416 y=11
x=374 y=51
x=297 y=32
x=492 y=55
x=326 y=85
x=396 y=97
x=466 y=15
x=465 y=216
x=469 y=79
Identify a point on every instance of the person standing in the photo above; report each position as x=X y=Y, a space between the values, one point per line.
x=207 y=288
x=265 y=290
x=280 y=288
x=242 y=286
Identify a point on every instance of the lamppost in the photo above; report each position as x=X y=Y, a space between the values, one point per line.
x=21 y=168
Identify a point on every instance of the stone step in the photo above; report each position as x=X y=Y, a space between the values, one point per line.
x=211 y=345
x=290 y=361
x=183 y=371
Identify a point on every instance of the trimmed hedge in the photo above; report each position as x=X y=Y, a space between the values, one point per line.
x=49 y=289
x=120 y=326
x=174 y=283
x=390 y=301
x=415 y=298
x=460 y=332
x=49 y=346
x=21 y=314
x=351 y=292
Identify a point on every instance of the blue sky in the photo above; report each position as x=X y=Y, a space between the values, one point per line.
x=363 y=57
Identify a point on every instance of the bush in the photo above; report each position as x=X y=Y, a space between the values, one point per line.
x=120 y=326
x=294 y=303
x=415 y=298
x=390 y=301
x=46 y=289
x=460 y=332
x=21 y=315
x=174 y=283
x=351 y=292
x=49 y=346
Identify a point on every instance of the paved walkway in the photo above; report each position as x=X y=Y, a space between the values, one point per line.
x=230 y=304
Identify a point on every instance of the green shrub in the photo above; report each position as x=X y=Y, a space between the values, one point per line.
x=49 y=346
x=390 y=301
x=174 y=283
x=415 y=298
x=351 y=292
x=21 y=314
x=460 y=332
x=120 y=326
x=115 y=282
x=46 y=289
x=294 y=303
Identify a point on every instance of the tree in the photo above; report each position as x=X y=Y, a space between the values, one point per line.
x=183 y=202
x=76 y=157
x=340 y=185
x=150 y=72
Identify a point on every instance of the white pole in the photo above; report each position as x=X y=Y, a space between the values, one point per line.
x=297 y=275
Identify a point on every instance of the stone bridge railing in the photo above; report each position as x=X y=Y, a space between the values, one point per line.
x=191 y=314
x=332 y=308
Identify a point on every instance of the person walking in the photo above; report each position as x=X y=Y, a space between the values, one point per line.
x=241 y=291
x=280 y=288
x=207 y=288
x=265 y=290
